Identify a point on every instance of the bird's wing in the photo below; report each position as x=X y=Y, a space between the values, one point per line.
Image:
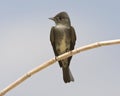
x=52 y=39
x=73 y=37
x=52 y=36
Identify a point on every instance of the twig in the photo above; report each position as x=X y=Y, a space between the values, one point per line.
x=53 y=60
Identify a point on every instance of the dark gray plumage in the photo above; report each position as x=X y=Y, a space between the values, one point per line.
x=63 y=38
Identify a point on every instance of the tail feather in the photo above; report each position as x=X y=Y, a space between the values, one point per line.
x=67 y=75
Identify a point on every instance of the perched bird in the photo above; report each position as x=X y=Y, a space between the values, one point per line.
x=63 y=38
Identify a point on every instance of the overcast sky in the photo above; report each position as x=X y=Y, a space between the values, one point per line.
x=24 y=44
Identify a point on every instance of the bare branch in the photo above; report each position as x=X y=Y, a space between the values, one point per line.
x=53 y=60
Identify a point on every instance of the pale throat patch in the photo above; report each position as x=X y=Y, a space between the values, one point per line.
x=62 y=26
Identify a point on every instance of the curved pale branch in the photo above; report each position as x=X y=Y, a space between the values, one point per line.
x=53 y=60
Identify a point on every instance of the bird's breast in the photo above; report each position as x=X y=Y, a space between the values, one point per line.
x=62 y=40
x=63 y=45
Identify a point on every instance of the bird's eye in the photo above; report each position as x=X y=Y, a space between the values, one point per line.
x=60 y=18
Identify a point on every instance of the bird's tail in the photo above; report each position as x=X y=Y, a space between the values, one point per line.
x=67 y=75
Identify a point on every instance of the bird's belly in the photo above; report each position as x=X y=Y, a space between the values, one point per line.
x=62 y=45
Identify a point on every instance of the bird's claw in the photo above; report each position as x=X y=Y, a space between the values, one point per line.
x=56 y=58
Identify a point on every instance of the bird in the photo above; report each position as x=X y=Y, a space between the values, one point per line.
x=63 y=39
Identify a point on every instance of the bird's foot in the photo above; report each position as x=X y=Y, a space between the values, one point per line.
x=70 y=51
x=56 y=58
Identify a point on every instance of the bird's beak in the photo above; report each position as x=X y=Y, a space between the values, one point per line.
x=52 y=18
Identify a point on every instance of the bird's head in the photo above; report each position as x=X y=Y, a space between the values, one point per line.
x=61 y=18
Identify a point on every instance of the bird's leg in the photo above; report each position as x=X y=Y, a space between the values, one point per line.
x=70 y=51
x=56 y=58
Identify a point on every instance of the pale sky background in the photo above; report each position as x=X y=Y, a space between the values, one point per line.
x=24 y=44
